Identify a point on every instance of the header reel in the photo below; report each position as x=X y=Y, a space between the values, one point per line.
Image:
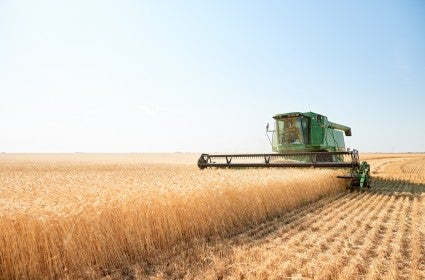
x=359 y=172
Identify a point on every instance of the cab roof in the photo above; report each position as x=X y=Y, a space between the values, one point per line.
x=295 y=114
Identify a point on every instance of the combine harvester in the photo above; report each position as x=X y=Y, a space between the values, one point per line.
x=301 y=140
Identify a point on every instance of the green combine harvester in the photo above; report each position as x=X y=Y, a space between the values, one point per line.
x=301 y=140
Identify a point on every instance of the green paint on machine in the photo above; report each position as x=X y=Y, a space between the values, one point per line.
x=309 y=132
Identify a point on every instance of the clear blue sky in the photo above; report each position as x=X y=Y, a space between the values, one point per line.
x=198 y=76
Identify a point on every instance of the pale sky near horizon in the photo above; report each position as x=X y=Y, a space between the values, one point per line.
x=206 y=76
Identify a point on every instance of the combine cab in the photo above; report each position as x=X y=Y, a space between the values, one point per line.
x=301 y=140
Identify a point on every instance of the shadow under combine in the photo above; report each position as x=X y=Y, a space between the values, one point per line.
x=395 y=186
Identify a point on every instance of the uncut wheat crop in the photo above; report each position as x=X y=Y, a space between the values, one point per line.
x=79 y=215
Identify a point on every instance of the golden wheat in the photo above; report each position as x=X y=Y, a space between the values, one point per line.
x=376 y=234
x=71 y=216
x=407 y=167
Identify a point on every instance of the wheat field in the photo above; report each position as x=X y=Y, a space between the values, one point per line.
x=156 y=216
x=92 y=216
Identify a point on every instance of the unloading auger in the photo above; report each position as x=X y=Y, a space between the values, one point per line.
x=301 y=140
